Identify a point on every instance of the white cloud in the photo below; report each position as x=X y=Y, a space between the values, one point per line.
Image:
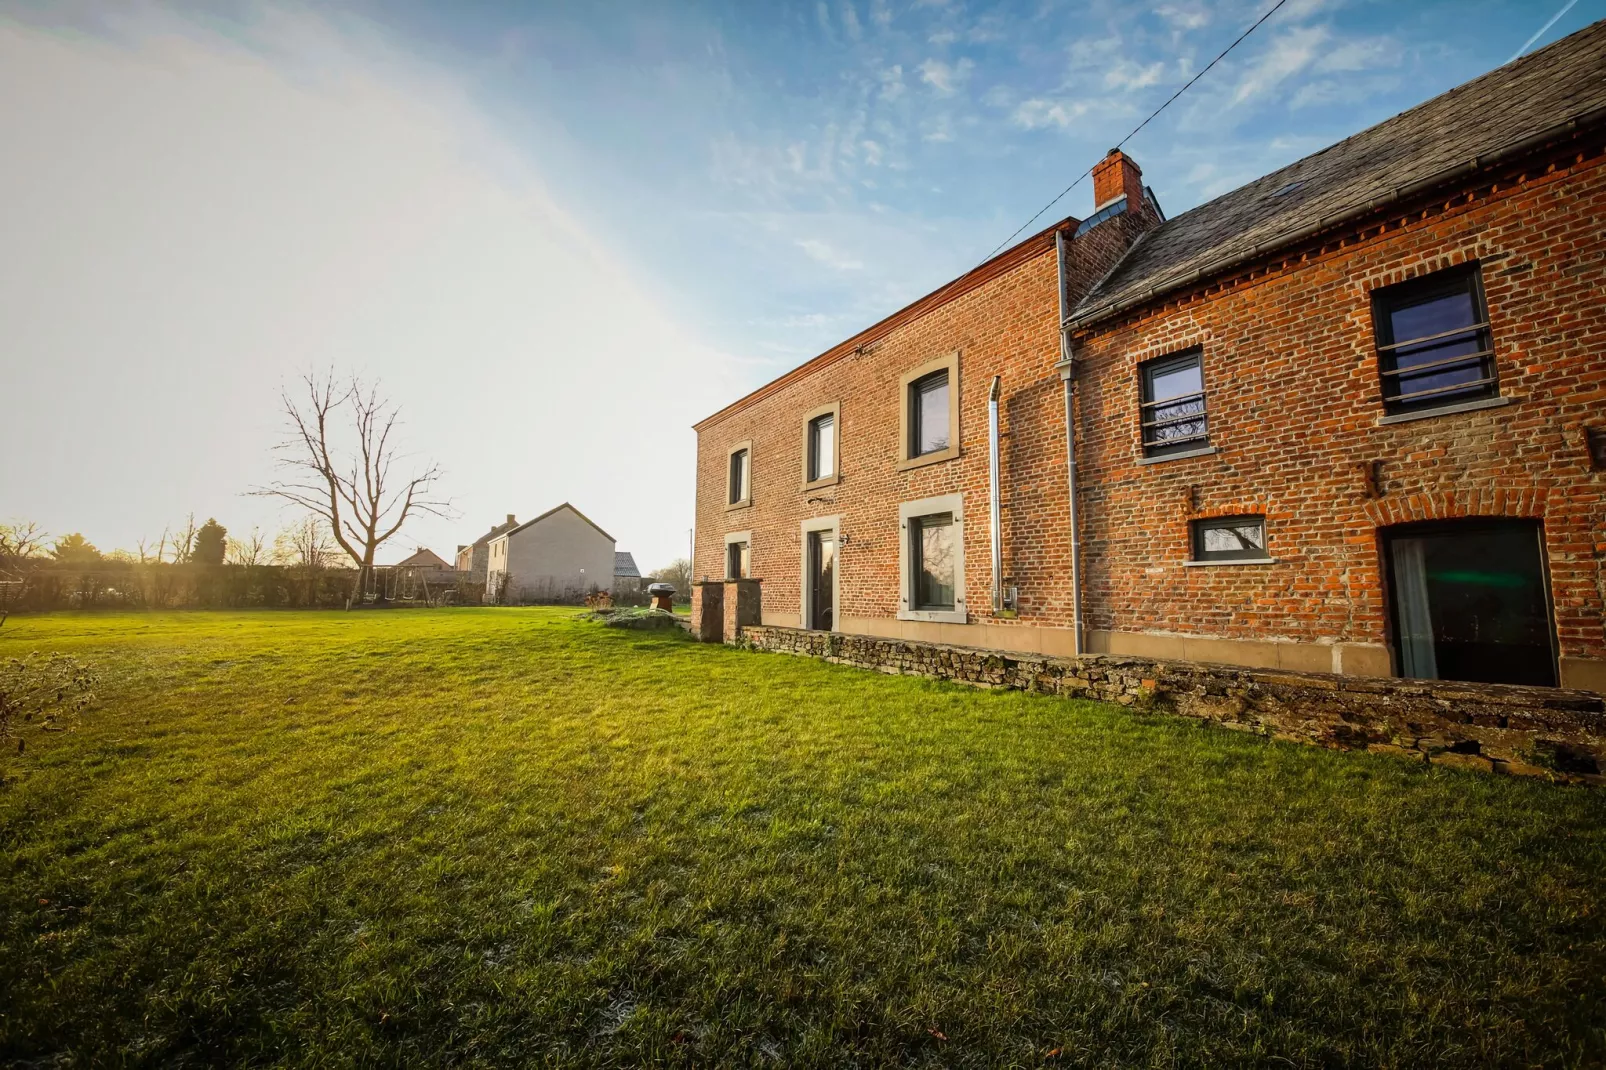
x=828 y=255
x=850 y=20
x=1127 y=75
x=191 y=220
x=872 y=152
x=880 y=13
x=946 y=78
x=942 y=38
x=892 y=86
x=1037 y=113
x=1288 y=54
x=1361 y=55
x=1180 y=18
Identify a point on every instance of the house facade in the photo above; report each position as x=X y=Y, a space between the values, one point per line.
x=560 y=556
x=1349 y=418
x=474 y=558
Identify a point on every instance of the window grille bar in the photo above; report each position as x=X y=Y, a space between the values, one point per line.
x=1442 y=389
x=1464 y=358
x=1177 y=399
x=1431 y=337
x=1153 y=443
x=1168 y=421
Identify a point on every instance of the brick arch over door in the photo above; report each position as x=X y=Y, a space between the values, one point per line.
x=1517 y=502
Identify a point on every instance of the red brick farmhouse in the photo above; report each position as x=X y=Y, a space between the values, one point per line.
x=1349 y=418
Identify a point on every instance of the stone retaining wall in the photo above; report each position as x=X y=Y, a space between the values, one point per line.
x=1527 y=731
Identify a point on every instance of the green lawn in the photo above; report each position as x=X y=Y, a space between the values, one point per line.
x=506 y=837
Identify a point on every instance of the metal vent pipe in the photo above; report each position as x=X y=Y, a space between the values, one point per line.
x=992 y=474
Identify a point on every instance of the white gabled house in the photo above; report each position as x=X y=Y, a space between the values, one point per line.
x=560 y=556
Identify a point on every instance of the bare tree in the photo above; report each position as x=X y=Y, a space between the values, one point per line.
x=347 y=475
x=306 y=545
x=250 y=551
x=182 y=544
x=21 y=539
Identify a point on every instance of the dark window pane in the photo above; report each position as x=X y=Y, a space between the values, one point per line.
x=931 y=414
x=1433 y=350
x=932 y=542
x=1176 y=381
x=1238 y=538
x=738 y=476
x=736 y=560
x=1173 y=410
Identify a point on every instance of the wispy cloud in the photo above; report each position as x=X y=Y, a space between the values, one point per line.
x=1037 y=113
x=946 y=78
x=1289 y=53
x=1128 y=75
x=1182 y=18
x=827 y=254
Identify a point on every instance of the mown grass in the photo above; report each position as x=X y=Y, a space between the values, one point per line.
x=504 y=837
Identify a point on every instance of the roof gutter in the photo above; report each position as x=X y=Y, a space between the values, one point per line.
x=1399 y=193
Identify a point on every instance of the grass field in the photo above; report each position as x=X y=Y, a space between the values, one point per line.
x=506 y=837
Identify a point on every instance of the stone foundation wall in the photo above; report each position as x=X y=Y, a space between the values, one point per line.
x=1527 y=731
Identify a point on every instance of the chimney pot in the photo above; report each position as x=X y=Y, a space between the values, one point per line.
x=510 y=519
x=1116 y=176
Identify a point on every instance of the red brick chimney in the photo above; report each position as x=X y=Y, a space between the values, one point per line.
x=1114 y=176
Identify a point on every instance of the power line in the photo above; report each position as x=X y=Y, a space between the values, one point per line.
x=1553 y=20
x=1150 y=119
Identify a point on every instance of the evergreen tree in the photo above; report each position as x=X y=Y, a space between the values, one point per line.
x=74 y=549
x=211 y=543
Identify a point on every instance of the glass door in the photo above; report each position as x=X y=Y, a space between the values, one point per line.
x=1471 y=601
x=822 y=580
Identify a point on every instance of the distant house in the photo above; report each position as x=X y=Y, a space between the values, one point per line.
x=560 y=556
x=626 y=576
x=472 y=558
x=429 y=566
x=422 y=558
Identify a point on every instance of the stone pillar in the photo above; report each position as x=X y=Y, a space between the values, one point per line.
x=743 y=607
x=708 y=611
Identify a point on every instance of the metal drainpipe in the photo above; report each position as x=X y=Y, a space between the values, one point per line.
x=1067 y=370
x=992 y=473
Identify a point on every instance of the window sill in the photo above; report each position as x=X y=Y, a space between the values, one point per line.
x=1204 y=452
x=746 y=503
x=1448 y=410
x=937 y=616
x=1231 y=561
x=828 y=481
x=928 y=458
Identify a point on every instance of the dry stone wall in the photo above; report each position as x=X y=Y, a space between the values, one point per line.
x=1527 y=731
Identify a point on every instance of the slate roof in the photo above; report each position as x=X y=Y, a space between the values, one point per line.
x=1492 y=115
x=624 y=566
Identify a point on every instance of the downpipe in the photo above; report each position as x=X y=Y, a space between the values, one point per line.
x=1067 y=370
x=993 y=502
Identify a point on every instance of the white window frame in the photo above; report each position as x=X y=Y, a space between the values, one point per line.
x=833 y=524
x=945 y=503
x=746 y=500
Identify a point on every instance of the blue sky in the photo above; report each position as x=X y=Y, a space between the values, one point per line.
x=562 y=232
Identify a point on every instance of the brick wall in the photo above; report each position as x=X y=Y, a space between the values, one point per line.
x=1291 y=374
x=1290 y=370
x=1007 y=326
x=1498 y=728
